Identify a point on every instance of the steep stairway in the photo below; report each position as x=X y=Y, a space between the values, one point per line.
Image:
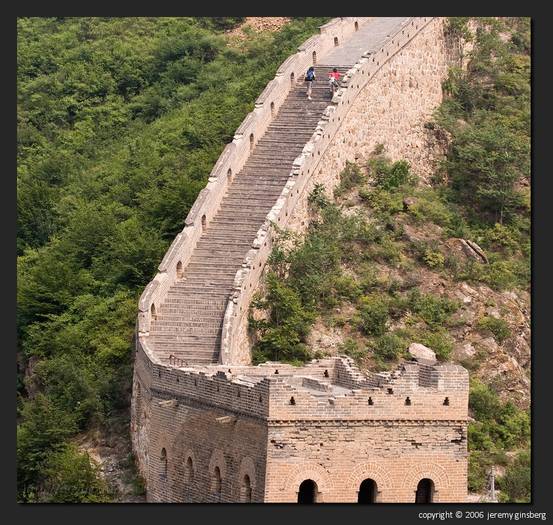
x=188 y=324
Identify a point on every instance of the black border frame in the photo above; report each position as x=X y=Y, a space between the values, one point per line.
x=540 y=288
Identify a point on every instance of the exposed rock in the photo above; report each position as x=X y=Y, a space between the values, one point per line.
x=464 y=351
x=422 y=353
x=467 y=249
x=408 y=203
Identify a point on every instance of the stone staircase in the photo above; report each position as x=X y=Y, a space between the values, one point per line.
x=188 y=324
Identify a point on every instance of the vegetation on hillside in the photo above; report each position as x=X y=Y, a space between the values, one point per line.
x=359 y=265
x=120 y=121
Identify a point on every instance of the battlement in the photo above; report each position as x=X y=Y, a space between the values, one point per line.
x=331 y=388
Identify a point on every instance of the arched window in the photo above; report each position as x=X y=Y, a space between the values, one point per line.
x=153 y=312
x=251 y=141
x=314 y=56
x=189 y=471
x=425 y=491
x=272 y=109
x=246 y=490
x=163 y=460
x=229 y=174
x=336 y=41
x=308 y=492
x=356 y=26
x=367 y=491
x=204 y=222
x=217 y=481
x=180 y=272
x=292 y=76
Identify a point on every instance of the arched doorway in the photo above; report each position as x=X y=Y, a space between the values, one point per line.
x=367 y=491
x=246 y=490
x=314 y=57
x=163 y=461
x=217 y=482
x=189 y=471
x=307 y=492
x=425 y=491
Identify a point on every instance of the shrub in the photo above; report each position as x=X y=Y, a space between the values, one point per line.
x=72 y=478
x=502 y=238
x=433 y=310
x=373 y=315
x=483 y=401
x=515 y=484
x=281 y=337
x=431 y=207
x=350 y=177
x=383 y=202
x=388 y=175
x=346 y=287
x=351 y=348
x=440 y=342
x=480 y=464
x=317 y=199
x=500 y=274
x=433 y=259
x=389 y=347
x=498 y=327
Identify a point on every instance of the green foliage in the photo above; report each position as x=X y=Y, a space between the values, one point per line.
x=120 y=121
x=317 y=198
x=440 y=342
x=350 y=177
x=458 y=27
x=479 y=467
x=497 y=425
x=282 y=336
x=222 y=22
x=433 y=310
x=488 y=116
x=70 y=477
x=498 y=327
x=433 y=259
x=389 y=347
x=387 y=175
x=515 y=485
x=42 y=432
x=373 y=315
x=351 y=348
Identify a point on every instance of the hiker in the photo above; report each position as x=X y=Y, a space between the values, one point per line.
x=309 y=78
x=333 y=78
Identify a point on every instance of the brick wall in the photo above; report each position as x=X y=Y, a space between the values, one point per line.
x=198 y=433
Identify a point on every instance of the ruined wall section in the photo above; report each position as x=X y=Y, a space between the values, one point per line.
x=276 y=422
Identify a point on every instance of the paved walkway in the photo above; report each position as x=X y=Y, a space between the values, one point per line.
x=370 y=37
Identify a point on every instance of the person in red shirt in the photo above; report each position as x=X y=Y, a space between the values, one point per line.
x=333 y=78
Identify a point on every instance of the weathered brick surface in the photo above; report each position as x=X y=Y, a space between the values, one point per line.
x=230 y=432
x=324 y=421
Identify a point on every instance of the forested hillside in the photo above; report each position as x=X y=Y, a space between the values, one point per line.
x=388 y=261
x=120 y=121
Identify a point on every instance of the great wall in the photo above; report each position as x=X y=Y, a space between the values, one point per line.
x=207 y=426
